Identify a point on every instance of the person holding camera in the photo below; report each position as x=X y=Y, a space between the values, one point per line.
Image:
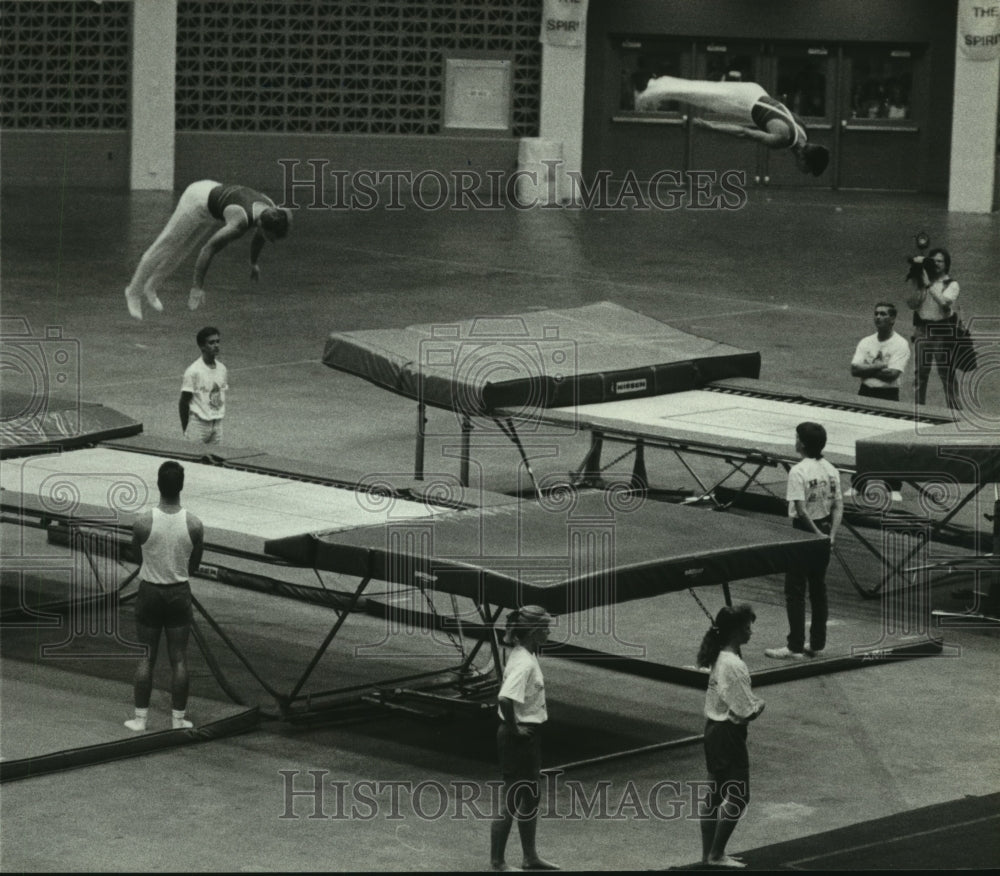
x=935 y=320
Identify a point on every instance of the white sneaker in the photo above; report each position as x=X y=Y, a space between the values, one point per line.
x=196 y=298
x=154 y=301
x=134 y=304
x=136 y=724
x=784 y=654
x=181 y=724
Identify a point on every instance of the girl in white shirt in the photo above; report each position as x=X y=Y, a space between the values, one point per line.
x=729 y=706
x=522 y=711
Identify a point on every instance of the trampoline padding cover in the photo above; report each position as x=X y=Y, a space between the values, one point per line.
x=551 y=358
x=932 y=454
x=34 y=422
x=568 y=553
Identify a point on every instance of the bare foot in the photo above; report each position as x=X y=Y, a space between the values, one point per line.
x=154 y=300
x=134 y=304
x=726 y=861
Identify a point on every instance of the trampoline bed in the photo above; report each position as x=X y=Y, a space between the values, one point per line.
x=240 y=509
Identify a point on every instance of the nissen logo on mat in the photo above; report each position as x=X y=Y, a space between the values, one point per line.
x=624 y=387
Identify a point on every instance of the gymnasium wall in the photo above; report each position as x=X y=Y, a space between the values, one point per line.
x=257 y=80
x=64 y=81
x=361 y=83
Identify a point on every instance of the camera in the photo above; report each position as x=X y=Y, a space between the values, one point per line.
x=922 y=269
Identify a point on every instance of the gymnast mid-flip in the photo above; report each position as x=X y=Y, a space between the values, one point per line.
x=755 y=114
x=200 y=208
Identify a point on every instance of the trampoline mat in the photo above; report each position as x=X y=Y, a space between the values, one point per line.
x=532 y=361
x=726 y=420
x=567 y=552
x=240 y=509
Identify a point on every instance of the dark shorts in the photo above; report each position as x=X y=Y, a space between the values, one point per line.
x=726 y=749
x=520 y=756
x=889 y=393
x=163 y=605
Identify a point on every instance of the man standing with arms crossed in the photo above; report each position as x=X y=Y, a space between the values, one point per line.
x=170 y=541
x=881 y=358
x=203 y=391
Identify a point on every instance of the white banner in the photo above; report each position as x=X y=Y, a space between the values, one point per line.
x=564 y=22
x=979 y=29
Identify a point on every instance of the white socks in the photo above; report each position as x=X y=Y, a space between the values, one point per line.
x=177 y=720
x=138 y=723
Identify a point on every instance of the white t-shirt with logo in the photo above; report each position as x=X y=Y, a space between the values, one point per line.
x=208 y=387
x=894 y=353
x=815 y=482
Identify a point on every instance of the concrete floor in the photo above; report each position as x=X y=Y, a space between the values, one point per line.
x=794 y=275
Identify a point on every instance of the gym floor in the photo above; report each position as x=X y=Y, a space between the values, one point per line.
x=792 y=274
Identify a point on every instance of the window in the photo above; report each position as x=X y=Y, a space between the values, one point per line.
x=642 y=60
x=882 y=84
x=802 y=83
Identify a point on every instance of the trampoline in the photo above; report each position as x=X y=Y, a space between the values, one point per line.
x=946 y=459
x=93 y=495
x=571 y=552
x=627 y=378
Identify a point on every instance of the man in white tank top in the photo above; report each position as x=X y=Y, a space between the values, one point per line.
x=170 y=541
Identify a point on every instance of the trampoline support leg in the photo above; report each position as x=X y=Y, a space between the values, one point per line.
x=418 y=465
x=589 y=471
x=463 y=474
x=640 y=479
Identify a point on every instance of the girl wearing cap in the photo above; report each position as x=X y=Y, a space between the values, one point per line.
x=521 y=707
x=729 y=706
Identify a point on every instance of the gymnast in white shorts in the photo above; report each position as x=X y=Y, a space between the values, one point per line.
x=203 y=204
x=755 y=115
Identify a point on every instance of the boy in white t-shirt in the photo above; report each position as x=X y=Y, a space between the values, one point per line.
x=202 y=405
x=815 y=505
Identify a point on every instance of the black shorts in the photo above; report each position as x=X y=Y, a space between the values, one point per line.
x=520 y=756
x=889 y=393
x=726 y=749
x=163 y=605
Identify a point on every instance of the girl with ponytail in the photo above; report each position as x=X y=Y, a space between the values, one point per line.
x=521 y=707
x=729 y=706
